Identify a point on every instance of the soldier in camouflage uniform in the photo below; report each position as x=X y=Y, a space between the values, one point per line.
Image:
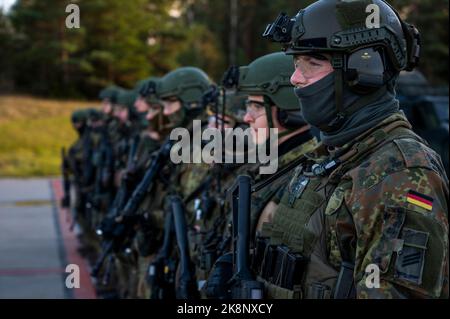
x=130 y=124
x=184 y=86
x=95 y=138
x=271 y=103
x=91 y=143
x=80 y=167
x=151 y=138
x=180 y=92
x=365 y=215
x=134 y=130
x=150 y=109
x=74 y=167
x=135 y=138
x=106 y=189
x=205 y=198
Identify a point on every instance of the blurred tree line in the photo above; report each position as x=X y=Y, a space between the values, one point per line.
x=124 y=41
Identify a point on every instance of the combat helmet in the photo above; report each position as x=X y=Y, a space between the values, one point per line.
x=109 y=93
x=269 y=76
x=79 y=120
x=233 y=104
x=126 y=98
x=94 y=115
x=187 y=84
x=366 y=54
x=79 y=116
x=147 y=89
x=221 y=101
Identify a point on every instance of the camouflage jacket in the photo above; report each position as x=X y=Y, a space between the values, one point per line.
x=146 y=147
x=378 y=204
x=75 y=161
x=261 y=200
x=180 y=179
x=208 y=215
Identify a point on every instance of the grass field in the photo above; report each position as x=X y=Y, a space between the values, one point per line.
x=32 y=132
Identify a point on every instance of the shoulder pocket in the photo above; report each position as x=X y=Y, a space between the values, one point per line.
x=410 y=259
x=421 y=262
x=393 y=220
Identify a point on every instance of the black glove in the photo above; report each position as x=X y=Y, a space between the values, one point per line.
x=217 y=286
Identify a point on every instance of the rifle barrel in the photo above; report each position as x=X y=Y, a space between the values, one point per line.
x=243 y=240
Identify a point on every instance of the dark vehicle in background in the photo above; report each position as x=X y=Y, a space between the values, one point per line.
x=427 y=109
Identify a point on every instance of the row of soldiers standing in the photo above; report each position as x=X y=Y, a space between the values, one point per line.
x=110 y=167
x=370 y=193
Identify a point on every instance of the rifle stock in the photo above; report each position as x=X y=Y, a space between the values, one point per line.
x=187 y=284
x=243 y=284
x=160 y=277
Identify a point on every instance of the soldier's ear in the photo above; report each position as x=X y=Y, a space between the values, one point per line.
x=365 y=70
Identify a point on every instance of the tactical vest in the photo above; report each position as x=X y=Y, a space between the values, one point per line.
x=209 y=250
x=291 y=255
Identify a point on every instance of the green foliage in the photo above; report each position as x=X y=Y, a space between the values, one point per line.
x=28 y=127
x=124 y=41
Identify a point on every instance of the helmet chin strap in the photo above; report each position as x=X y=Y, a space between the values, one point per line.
x=337 y=61
x=339 y=68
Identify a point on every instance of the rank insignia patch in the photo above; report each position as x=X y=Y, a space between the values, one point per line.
x=420 y=200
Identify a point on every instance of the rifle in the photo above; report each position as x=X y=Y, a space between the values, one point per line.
x=219 y=282
x=124 y=191
x=243 y=285
x=187 y=284
x=117 y=231
x=161 y=272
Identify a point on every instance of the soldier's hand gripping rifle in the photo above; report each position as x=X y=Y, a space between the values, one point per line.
x=187 y=285
x=116 y=230
x=243 y=284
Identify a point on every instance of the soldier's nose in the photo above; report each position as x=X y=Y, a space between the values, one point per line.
x=297 y=78
x=166 y=111
x=247 y=118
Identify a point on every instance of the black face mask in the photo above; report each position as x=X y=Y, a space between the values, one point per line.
x=143 y=122
x=319 y=109
x=317 y=101
x=177 y=119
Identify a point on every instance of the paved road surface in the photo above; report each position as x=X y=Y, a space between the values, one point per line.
x=35 y=243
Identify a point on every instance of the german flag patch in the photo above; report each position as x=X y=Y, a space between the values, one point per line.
x=420 y=200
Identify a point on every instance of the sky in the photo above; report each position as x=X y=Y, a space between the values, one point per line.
x=6 y=4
